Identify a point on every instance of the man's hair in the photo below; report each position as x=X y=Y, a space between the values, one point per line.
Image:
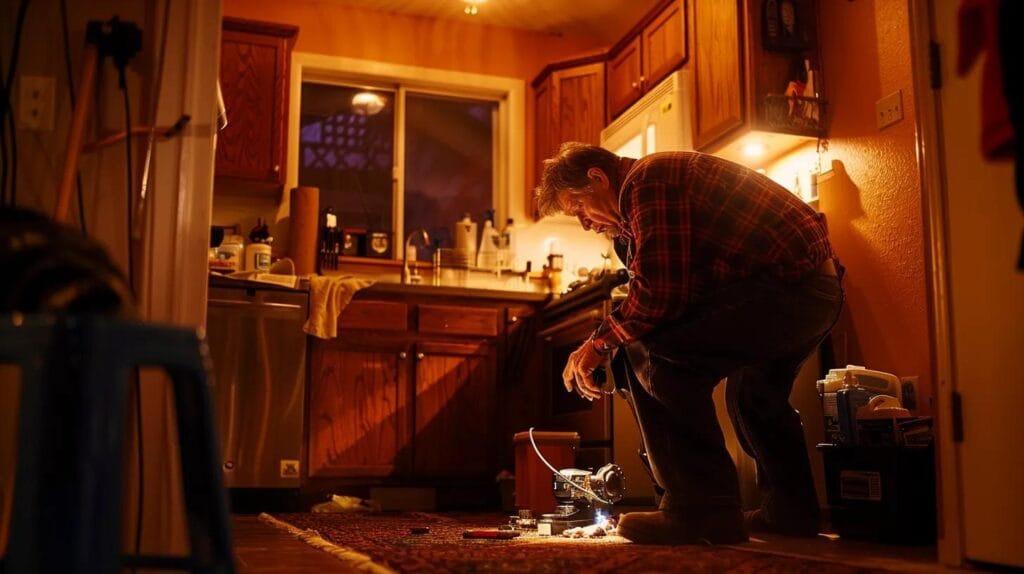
x=53 y=268
x=568 y=171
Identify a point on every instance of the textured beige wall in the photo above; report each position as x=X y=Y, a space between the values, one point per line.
x=873 y=198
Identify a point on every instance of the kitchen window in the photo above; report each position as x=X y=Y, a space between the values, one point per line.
x=398 y=148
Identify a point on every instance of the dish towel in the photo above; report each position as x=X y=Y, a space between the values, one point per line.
x=328 y=297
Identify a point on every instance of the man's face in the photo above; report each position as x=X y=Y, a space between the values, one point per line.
x=594 y=206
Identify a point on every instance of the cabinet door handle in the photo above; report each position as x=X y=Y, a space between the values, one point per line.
x=402 y=355
x=277 y=168
x=419 y=356
x=514 y=319
x=636 y=85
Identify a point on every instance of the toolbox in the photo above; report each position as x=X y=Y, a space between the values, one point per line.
x=881 y=493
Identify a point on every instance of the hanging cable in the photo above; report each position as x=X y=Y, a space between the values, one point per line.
x=121 y=63
x=71 y=96
x=14 y=160
x=3 y=140
x=7 y=117
x=128 y=168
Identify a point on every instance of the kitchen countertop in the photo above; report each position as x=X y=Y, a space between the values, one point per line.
x=453 y=291
x=395 y=288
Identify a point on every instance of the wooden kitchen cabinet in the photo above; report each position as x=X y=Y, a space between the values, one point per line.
x=625 y=78
x=656 y=47
x=718 y=106
x=254 y=77
x=455 y=409
x=359 y=410
x=664 y=43
x=411 y=393
x=740 y=80
x=569 y=98
x=568 y=105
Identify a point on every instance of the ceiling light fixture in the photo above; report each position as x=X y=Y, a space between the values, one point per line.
x=367 y=103
x=471 y=7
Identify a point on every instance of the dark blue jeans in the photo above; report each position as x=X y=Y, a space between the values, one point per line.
x=757 y=333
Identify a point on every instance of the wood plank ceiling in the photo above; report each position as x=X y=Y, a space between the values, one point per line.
x=606 y=20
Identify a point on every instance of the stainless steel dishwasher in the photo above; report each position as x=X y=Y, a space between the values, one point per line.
x=258 y=350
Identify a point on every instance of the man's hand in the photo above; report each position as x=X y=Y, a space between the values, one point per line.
x=579 y=371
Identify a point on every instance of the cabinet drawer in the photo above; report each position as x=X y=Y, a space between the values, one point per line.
x=449 y=320
x=376 y=315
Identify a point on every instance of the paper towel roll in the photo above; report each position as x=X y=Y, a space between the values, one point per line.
x=304 y=212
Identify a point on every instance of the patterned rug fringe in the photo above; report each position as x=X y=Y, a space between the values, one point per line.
x=356 y=560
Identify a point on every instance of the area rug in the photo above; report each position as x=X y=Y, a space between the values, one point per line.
x=428 y=543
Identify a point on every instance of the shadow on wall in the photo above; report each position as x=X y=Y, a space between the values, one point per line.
x=839 y=200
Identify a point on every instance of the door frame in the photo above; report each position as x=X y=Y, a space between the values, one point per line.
x=931 y=161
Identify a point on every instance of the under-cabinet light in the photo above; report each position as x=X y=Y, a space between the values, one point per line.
x=754 y=149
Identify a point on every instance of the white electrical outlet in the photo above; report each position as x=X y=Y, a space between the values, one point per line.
x=889 y=109
x=35 y=102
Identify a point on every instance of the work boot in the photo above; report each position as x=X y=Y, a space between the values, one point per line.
x=757 y=520
x=661 y=527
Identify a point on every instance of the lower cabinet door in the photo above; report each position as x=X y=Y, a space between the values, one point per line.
x=455 y=415
x=359 y=408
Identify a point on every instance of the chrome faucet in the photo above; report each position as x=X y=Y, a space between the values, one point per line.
x=406 y=275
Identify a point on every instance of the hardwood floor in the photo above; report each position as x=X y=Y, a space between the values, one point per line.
x=262 y=549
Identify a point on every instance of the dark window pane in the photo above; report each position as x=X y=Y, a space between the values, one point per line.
x=448 y=163
x=346 y=148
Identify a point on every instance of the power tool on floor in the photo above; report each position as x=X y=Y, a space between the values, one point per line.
x=583 y=497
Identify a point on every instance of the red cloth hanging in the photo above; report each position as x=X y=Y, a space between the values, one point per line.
x=978 y=22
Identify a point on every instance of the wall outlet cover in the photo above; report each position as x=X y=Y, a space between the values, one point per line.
x=36 y=102
x=889 y=110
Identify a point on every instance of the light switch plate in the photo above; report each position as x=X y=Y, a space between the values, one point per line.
x=889 y=109
x=35 y=102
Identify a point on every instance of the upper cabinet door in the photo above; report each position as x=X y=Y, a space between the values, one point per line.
x=568 y=106
x=254 y=69
x=664 y=44
x=624 y=78
x=544 y=134
x=718 y=70
x=580 y=110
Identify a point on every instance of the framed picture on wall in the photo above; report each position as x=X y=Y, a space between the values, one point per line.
x=782 y=26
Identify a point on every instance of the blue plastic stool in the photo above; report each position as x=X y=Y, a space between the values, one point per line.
x=66 y=515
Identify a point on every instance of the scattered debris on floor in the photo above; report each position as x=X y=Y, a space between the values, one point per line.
x=341 y=504
x=604 y=528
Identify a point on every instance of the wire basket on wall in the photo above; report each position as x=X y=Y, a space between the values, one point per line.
x=800 y=115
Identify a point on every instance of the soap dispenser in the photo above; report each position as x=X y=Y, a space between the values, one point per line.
x=487 y=256
x=507 y=245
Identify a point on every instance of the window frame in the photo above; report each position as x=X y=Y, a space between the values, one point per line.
x=509 y=145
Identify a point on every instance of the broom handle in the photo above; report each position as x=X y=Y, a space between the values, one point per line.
x=75 y=134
